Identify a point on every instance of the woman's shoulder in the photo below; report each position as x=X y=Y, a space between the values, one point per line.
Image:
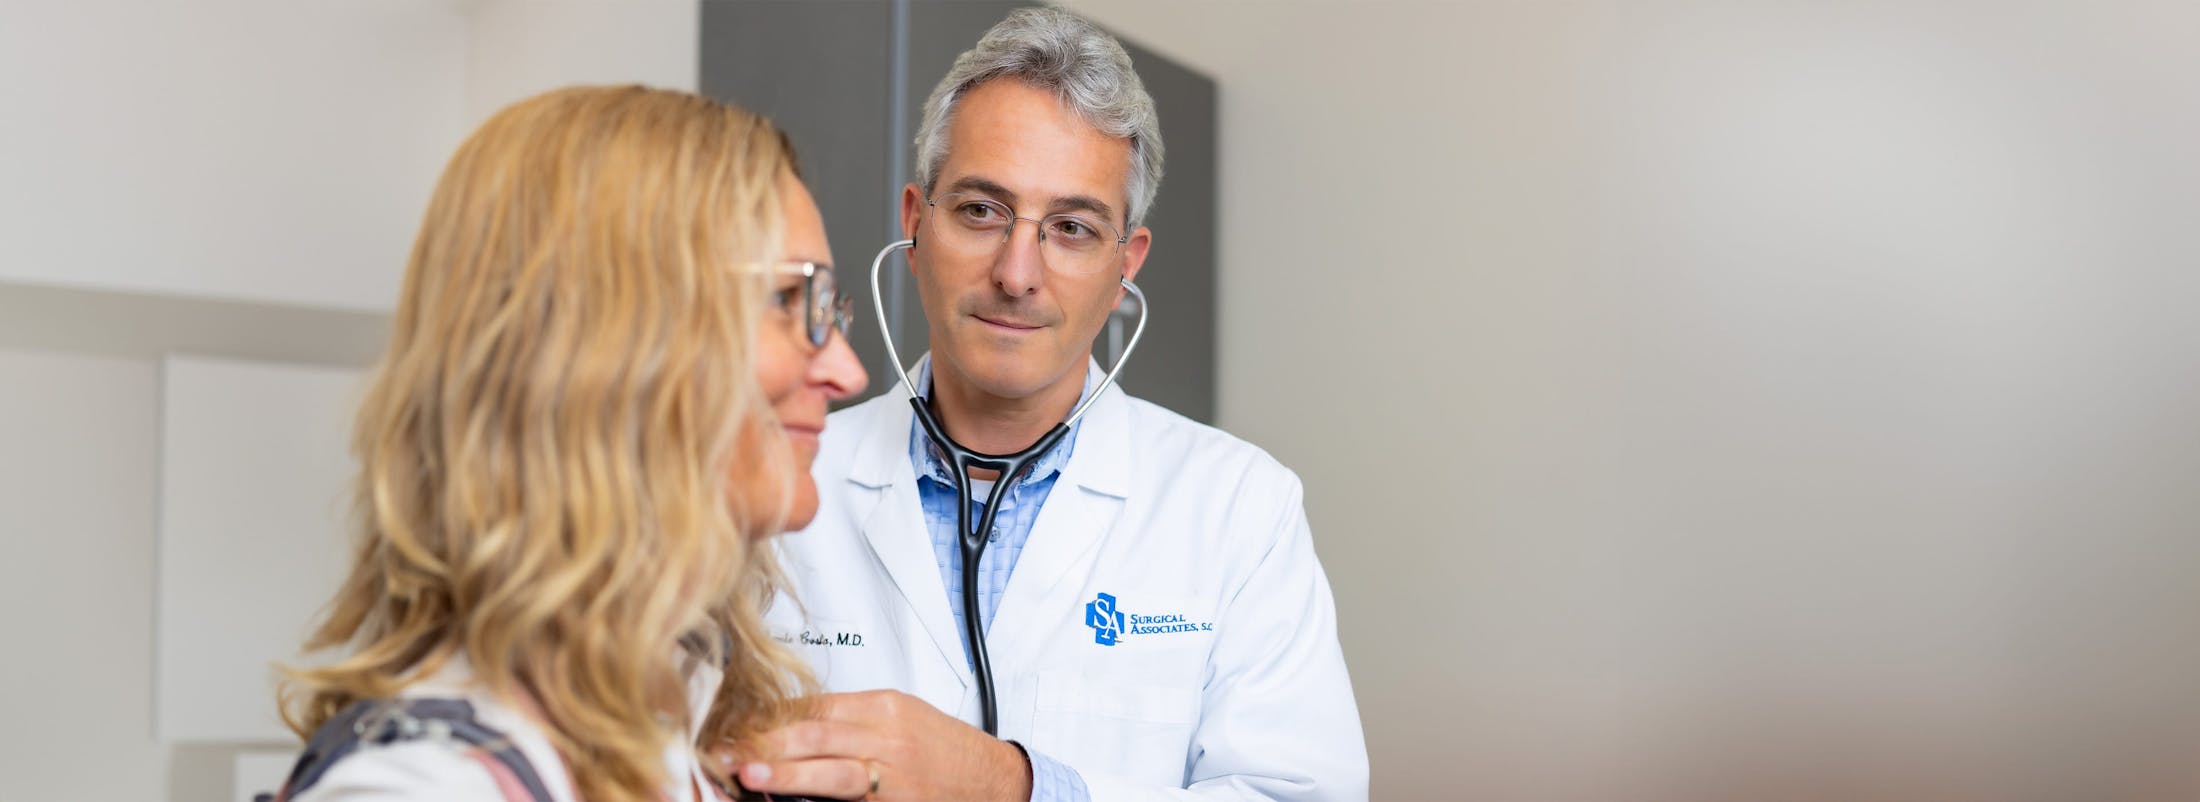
x=441 y=740
x=407 y=771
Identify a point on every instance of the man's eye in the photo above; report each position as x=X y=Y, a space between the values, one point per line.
x=788 y=299
x=1075 y=231
x=978 y=211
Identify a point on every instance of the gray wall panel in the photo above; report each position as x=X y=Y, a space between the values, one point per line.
x=821 y=71
x=1175 y=365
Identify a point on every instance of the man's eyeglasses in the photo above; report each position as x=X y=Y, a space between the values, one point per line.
x=977 y=226
x=824 y=309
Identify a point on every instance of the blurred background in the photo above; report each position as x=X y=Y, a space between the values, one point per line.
x=1768 y=400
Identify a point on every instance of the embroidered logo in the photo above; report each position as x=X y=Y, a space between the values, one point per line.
x=1110 y=625
x=1106 y=623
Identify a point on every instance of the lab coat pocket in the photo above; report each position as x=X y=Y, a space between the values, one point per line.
x=1121 y=725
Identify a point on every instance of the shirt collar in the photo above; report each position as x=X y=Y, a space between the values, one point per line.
x=927 y=460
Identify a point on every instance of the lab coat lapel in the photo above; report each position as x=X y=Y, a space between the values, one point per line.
x=1083 y=506
x=894 y=526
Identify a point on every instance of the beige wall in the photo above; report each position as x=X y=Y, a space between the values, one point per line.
x=1698 y=400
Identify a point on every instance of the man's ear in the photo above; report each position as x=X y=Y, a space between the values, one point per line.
x=1134 y=252
x=912 y=211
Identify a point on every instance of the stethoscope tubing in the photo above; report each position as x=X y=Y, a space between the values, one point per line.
x=1010 y=467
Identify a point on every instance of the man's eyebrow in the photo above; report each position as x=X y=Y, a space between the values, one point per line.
x=983 y=186
x=1083 y=203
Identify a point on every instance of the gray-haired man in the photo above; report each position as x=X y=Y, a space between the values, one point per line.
x=1159 y=626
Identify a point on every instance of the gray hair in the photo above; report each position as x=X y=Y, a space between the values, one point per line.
x=1053 y=49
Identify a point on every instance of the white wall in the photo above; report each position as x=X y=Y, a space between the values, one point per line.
x=521 y=47
x=245 y=149
x=77 y=485
x=1722 y=400
x=255 y=490
x=275 y=151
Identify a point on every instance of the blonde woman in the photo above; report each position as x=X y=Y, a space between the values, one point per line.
x=609 y=366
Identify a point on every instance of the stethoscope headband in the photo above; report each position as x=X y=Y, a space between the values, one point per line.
x=886 y=334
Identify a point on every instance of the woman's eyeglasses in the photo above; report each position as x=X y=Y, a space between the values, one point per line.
x=824 y=309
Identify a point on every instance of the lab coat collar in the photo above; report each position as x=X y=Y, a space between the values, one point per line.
x=1100 y=461
x=882 y=458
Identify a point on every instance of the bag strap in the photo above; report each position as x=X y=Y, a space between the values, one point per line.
x=386 y=721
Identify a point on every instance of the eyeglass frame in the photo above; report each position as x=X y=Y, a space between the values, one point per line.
x=1038 y=224
x=819 y=332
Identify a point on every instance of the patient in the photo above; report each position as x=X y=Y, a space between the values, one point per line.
x=610 y=363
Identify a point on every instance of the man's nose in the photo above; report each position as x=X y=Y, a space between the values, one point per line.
x=1020 y=268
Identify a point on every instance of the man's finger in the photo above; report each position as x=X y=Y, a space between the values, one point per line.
x=865 y=706
x=837 y=706
x=805 y=740
x=730 y=756
x=836 y=778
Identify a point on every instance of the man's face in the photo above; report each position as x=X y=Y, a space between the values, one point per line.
x=1007 y=322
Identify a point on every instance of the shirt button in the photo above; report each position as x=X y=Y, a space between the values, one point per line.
x=993 y=536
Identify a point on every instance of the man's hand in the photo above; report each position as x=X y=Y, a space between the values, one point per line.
x=918 y=754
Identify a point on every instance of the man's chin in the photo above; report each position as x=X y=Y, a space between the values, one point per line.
x=1007 y=384
x=1001 y=374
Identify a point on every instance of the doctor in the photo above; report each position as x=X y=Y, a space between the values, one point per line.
x=1159 y=626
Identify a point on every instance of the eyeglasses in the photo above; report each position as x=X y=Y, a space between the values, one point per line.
x=975 y=225
x=824 y=309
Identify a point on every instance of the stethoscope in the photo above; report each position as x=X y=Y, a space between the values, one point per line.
x=1011 y=467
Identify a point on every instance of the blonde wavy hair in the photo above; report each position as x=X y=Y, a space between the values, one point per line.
x=545 y=449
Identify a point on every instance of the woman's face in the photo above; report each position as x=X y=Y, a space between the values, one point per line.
x=798 y=379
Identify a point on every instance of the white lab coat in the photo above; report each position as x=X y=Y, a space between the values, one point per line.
x=1228 y=681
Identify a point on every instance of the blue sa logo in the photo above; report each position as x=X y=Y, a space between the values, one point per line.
x=1106 y=622
x=1110 y=625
